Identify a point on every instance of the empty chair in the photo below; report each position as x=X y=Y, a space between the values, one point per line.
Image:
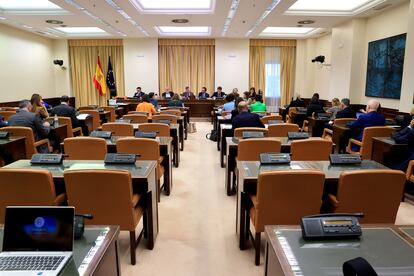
x=315 y=149
x=28 y=187
x=7 y=114
x=96 y=121
x=328 y=133
x=109 y=197
x=376 y=193
x=250 y=149
x=85 y=148
x=365 y=146
x=139 y=113
x=281 y=130
x=172 y=118
x=148 y=149
x=112 y=110
x=284 y=198
x=119 y=129
x=266 y=119
x=70 y=131
x=162 y=130
x=175 y=112
x=30 y=143
x=136 y=118
x=238 y=132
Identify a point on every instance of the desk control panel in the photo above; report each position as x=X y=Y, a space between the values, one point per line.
x=167 y=122
x=330 y=226
x=274 y=158
x=275 y=122
x=252 y=134
x=298 y=135
x=4 y=135
x=46 y=159
x=101 y=134
x=146 y=134
x=345 y=159
x=120 y=158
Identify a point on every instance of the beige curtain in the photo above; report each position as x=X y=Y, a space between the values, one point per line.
x=287 y=73
x=184 y=63
x=83 y=56
x=257 y=78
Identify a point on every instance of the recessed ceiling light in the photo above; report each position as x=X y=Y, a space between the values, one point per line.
x=39 y=5
x=27 y=27
x=269 y=9
x=230 y=15
x=190 y=30
x=53 y=21
x=2 y=18
x=305 y=22
x=327 y=5
x=286 y=31
x=81 y=30
x=180 y=21
x=176 y=6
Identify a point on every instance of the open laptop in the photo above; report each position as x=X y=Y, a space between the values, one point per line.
x=37 y=240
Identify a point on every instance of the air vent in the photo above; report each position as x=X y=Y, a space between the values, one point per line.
x=53 y=21
x=381 y=7
x=305 y=22
x=180 y=21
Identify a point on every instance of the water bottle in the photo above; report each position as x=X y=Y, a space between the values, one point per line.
x=56 y=121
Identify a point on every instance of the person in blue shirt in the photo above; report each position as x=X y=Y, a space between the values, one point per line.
x=371 y=118
x=153 y=99
x=203 y=94
x=405 y=136
x=229 y=105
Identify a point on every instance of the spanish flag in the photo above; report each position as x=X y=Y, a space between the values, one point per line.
x=99 y=79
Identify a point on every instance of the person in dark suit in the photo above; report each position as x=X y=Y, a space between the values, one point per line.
x=139 y=93
x=2 y=122
x=405 y=136
x=187 y=94
x=64 y=110
x=346 y=111
x=245 y=118
x=167 y=94
x=25 y=118
x=219 y=93
x=314 y=107
x=235 y=111
x=298 y=102
x=203 y=94
x=370 y=118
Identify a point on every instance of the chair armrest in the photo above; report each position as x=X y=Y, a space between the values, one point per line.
x=329 y=131
x=43 y=142
x=410 y=168
x=333 y=200
x=135 y=199
x=355 y=142
x=60 y=199
x=253 y=198
x=76 y=130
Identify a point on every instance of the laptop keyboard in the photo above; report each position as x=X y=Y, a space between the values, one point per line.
x=36 y=263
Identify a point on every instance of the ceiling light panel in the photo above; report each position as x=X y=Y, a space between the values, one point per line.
x=286 y=30
x=127 y=17
x=184 y=31
x=269 y=9
x=331 y=7
x=40 y=5
x=229 y=18
x=81 y=30
x=174 y=6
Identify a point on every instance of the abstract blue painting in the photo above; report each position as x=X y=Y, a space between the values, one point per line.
x=385 y=67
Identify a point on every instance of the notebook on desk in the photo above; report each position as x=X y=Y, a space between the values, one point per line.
x=37 y=240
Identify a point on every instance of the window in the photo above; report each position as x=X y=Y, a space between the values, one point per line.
x=272 y=73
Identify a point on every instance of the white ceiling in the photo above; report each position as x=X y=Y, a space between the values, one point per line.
x=108 y=19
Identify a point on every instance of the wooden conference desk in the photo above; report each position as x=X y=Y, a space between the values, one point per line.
x=96 y=253
x=142 y=174
x=248 y=172
x=316 y=126
x=387 y=152
x=388 y=248
x=12 y=149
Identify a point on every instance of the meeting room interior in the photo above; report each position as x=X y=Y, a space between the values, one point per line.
x=207 y=137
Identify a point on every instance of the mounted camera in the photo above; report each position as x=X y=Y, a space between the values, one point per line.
x=320 y=59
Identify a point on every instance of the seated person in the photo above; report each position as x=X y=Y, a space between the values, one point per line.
x=229 y=105
x=235 y=111
x=167 y=94
x=138 y=94
x=64 y=110
x=38 y=107
x=314 y=107
x=346 y=111
x=203 y=94
x=175 y=101
x=146 y=106
x=219 y=93
x=336 y=106
x=406 y=119
x=2 y=122
x=371 y=118
x=405 y=136
x=26 y=118
x=245 y=118
x=187 y=94
x=298 y=102
x=258 y=105
x=153 y=99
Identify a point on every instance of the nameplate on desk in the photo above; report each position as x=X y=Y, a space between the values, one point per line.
x=120 y=158
x=82 y=116
x=298 y=135
x=4 y=134
x=101 y=134
x=252 y=134
x=345 y=159
x=270 y=158
x=146 y=134
x=127 y=121
x=274 y=122
x=167 y=122
x=46 y=159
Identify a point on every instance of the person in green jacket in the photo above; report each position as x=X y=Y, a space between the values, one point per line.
x=258 y=105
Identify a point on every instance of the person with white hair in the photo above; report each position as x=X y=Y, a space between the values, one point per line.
x=371 y=118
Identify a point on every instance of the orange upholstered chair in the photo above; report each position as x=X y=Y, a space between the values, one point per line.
x=376 y=193
x=281 y=130
x=28 y=187
x=70 y=130
x=162 y=130
x=119 y=129
x=96 y=121
x=238 y=132
x=172 y=118
x=250 y=149
x=85 y=148
x=136 y=118
x=7 y=114
x=314 y=149
x=112 y=110
x=175 y=112
x=109 y=197
x=266 y=119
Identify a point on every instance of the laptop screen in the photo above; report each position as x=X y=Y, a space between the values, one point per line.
x=38 y=229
